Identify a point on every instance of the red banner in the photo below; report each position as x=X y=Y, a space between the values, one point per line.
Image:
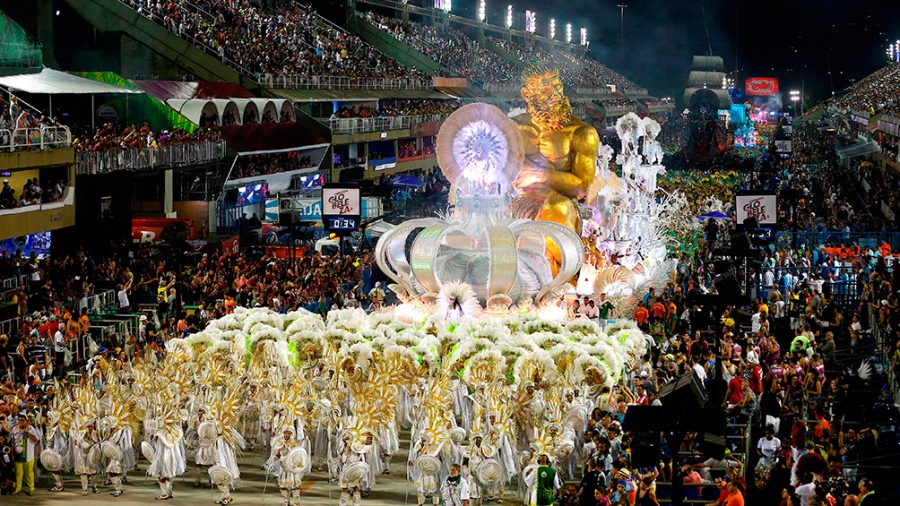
x=150 y=229
x=232 y=246
x=762 y=86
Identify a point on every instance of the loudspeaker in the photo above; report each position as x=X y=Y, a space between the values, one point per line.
x=645 y=449
x=727 y=284
x=683 y=399
x=751 y=223
x=231 y=195
x=711 y=445
x=175 y=233
x=643 y=418
x=287 y=218
x=741 y=241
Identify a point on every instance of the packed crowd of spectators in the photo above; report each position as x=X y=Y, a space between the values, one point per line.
x=877 y=92
x=397 y=107
x=451 y=48
x=112 y=137
x=270 y=163
x=274 y=38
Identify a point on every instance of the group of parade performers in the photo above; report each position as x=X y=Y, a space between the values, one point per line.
x=313 y=402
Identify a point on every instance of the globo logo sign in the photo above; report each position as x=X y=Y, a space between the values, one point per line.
x=762 y=86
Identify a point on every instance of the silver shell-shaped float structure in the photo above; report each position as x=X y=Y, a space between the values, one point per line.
x=504 y=261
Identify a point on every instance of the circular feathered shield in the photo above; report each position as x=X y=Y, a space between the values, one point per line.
x=296 y=460
x=95 y=456
x=457 y=434
x=221 y=475
x=359 y=447
x=252 y=412
x=489 y=451
x=51 y=460
x=111 y=451
x=478 y=141
x=207 y=430
x=428 y=464
x=489 y=472
x=354 y=472
x=148 y=451
x=576 y=417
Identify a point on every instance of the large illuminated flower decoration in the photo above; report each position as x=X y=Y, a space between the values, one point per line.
x=479 y=148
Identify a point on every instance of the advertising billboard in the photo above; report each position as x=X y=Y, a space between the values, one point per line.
x=762 y=86
x=341 y=207
x=762 y=207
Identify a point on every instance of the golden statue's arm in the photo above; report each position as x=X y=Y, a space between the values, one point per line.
x=574 y=184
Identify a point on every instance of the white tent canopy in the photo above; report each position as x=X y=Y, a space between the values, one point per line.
x=54 y=82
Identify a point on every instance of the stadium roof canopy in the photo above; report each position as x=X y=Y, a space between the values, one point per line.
x=54 y=82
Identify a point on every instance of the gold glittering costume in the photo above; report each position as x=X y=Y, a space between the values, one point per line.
x=560 y=153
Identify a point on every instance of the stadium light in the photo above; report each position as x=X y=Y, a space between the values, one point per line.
x=509 y=16
x=795 y=95
x=584 y=40
x=552 y=28
x=569 y=33
x=444 y=5
x=482 y=11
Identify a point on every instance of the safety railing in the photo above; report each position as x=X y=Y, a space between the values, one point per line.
x=97 y=162
x=45 y=137
x=302 y=82
x=96 y=302
x=809 y=240
x=841 y=282
x=380 y=124
x=10 y=327
x=14 y=282
x=501 y=87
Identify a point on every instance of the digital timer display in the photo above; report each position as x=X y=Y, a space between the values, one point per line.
x=338 y=223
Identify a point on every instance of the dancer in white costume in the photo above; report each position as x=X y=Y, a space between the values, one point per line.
x=205 y=455
x=117 y=448
x=86 y=448
x=288 y=473
x=169 y=454
x=476 y=453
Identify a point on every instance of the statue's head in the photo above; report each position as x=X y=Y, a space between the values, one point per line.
x=542 y=89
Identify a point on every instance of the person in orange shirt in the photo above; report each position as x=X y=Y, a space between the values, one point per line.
x=658 y=310
x=641 y=315
x=735 y=494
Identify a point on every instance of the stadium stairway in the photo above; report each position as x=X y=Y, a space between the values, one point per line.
x=113 y=16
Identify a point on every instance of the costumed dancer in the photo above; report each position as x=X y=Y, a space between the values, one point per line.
x=289 y=463
x=423 y=469
x=87 y=453
x=228 y=440
x=354 y=469
x=117 y=448
x=205 y=456
x=168 y=444
x=58 y=442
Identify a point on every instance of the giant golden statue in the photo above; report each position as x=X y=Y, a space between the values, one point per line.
x=560 y=152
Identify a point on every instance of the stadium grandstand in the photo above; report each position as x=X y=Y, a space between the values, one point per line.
x=266 y=97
